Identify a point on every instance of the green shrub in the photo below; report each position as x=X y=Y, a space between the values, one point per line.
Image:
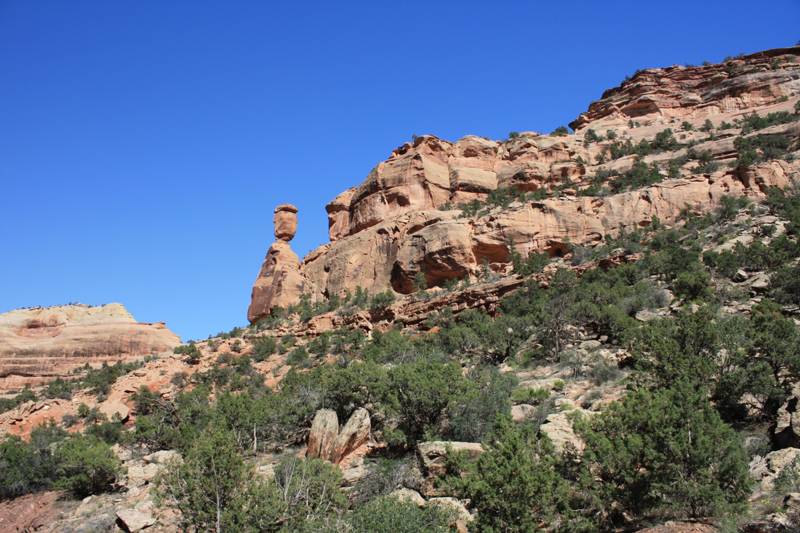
x=86 y=465
x=191 y=352
x=532 y=396
x=470 y=417
x=382 y=300
x=532 y=264
x=693 y=284
x=757 y=122
x=423 y=391
x=515 y=484
x=216 y=491
x=59 y=388
x=207 y=485
x=752 y=150
x=666 y=453
x=26 y=395
x=298 y=357
x=389 y=515
x=591 y=136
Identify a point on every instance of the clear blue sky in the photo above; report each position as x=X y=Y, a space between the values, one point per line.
x=143 y=145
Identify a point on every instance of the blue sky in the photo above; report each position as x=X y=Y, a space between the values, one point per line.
x=144 y=144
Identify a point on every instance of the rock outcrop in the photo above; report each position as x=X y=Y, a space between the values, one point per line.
x=327 y=441
x=688 y=92
x=403 y=222
x=280 y=283
x=40 y=344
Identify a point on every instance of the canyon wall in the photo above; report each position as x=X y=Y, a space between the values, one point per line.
x=407 y=216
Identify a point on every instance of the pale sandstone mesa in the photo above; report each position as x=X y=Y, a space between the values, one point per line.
x=38 y=345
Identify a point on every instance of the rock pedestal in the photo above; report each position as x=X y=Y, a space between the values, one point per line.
x=280 y=282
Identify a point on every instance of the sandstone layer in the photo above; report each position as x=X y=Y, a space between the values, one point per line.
x=41 y=344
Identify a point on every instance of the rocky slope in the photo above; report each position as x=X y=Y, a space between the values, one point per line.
x=41 y=344
x=454 y=217
x=404 y=219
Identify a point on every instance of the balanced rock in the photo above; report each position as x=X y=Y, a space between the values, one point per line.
x=280 y=283
x=285 y=222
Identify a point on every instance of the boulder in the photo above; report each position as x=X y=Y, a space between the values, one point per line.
x=461 y=516
x=558 y=427
x=285 y=222
x=115 y=410
x=140 y=475
x=408 y=495
x=521 y=412
x=352 y=436
x=765 y=470
x=323 y=434
x=132 y=520
x=433 y=454
x=162 y=457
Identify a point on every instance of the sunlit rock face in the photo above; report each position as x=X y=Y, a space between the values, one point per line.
x=38 y=345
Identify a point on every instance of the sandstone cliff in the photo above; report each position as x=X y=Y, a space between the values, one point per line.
x=408 y=219
x=41 y=344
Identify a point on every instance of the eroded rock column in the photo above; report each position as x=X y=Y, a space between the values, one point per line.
x=280 y=282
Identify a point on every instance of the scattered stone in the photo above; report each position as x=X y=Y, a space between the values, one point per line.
x=461 y=516
x=162 y=457
x=521 y=412
x=408 y=495
x=558 y=428
x=646 y=315
x=433 y=455
x=133 y=520
x=760 y=282
x=590 y=345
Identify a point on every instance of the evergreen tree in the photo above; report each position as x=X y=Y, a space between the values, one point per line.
x=666 y=452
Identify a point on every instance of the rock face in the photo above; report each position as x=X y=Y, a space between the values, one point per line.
x=280 y=283
x=41 y=344
x=787 y=426
x=400 y=222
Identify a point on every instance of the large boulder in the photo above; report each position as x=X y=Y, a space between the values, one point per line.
x=326 y=441
x=353 y=435
x=323 y=434
x=285 y=222
x=133 y=520
x=558 y=427
x=457 y=510
x=765 y=470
